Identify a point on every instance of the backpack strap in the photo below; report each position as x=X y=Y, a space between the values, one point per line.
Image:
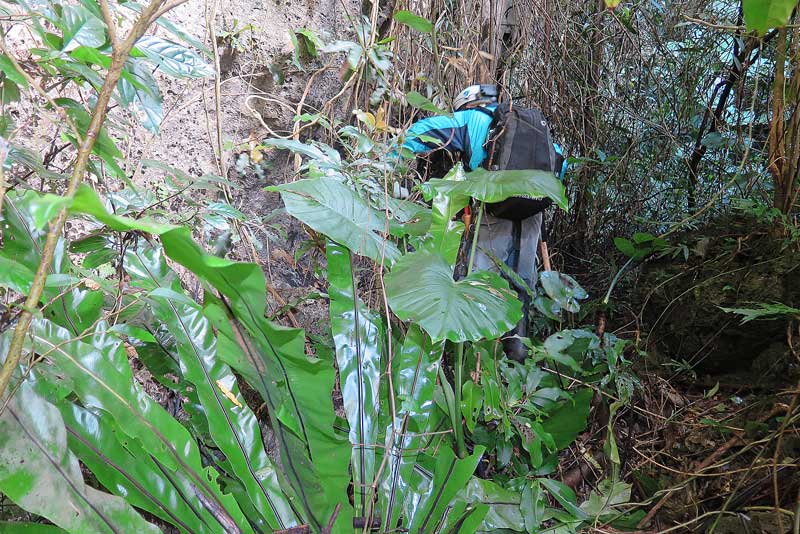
x=484 y=110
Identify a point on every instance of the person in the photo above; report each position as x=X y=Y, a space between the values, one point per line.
x=466 y=132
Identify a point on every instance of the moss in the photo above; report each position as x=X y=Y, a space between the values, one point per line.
x=734 y=264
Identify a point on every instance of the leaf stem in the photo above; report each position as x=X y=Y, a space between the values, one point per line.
x=616 y=279
x=458 y=427
x=475 y=239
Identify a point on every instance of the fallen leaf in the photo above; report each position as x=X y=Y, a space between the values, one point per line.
x=90 y=284
x=225 y=391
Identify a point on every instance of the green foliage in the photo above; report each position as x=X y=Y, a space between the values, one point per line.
x=563 y=290
x=766 y=311
x=420 y=102
x=116 y=299
x=641 y=246
x=761 y=15
x=359 y=340
x=173 y=59
x=335 y=210
x=421 y=289
x=42 y=475
x=495 y=186
x=413 y=21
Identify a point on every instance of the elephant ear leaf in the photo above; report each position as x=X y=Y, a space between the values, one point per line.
x=421 y=289
x=40 y=474
x=337 y=211
x=496 y=186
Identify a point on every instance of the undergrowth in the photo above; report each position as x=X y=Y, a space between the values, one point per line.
x=436 y=432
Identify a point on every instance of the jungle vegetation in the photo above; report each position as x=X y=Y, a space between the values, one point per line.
x=153 y=380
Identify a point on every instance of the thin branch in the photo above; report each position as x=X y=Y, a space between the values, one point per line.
x=35 y=84
x=118 y=58
x=109 y=20
x=167 y=7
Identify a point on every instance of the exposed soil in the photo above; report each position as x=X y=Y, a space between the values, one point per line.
x=733 y=263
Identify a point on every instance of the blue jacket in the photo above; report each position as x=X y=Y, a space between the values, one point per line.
x=464 y=131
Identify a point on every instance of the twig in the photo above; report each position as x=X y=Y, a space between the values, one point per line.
x=109 y=20
x=776 y=457
x=167 y=7
x=42 y=93
x=328 y=529
x=707 y=462
x=545 y=256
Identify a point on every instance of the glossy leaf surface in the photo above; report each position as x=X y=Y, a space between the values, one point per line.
x=358 y=337
x=125 y=468
x=335 y=210
x=421 y=288
x=495 y=186
x=232 y=424
x=273 y=359
x=41 y=475
x=761 y=15
x=413 y=21
x=174 y=59
x=449 y=477
x=414 y=371
x=445 y=233
x=102 y=378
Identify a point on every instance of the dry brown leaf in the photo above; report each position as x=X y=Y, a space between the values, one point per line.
x=225 y=391
x=90 y=284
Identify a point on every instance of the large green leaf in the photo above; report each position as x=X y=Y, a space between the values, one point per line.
x=40 y=474
x=232 y=424
x=130 y=471
x=414 y=373
x=445 y=233
x=173 y=59
x=503 y=505
x=87 y=202
x=569 y=419
x=139 y=89
x=75 y=308
x=101 y=377
x=15 y=275
x=297 y=388
x=495 y=186
x=337 y=211
x=358 y=336
x=414 y=21
x=172 y=28
x=81 y=28
x=420 y=288
x=419 y=101
x=761 y=15
x=255 y=358
x=320 y=154
x=11 y=72
x=450 y=475
x=565 y=496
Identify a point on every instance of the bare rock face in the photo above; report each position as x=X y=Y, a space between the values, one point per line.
x=733 y=263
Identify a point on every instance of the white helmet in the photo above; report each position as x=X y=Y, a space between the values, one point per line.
x=485 y=93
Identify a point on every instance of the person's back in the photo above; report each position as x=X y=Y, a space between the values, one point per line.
x=514 y=242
